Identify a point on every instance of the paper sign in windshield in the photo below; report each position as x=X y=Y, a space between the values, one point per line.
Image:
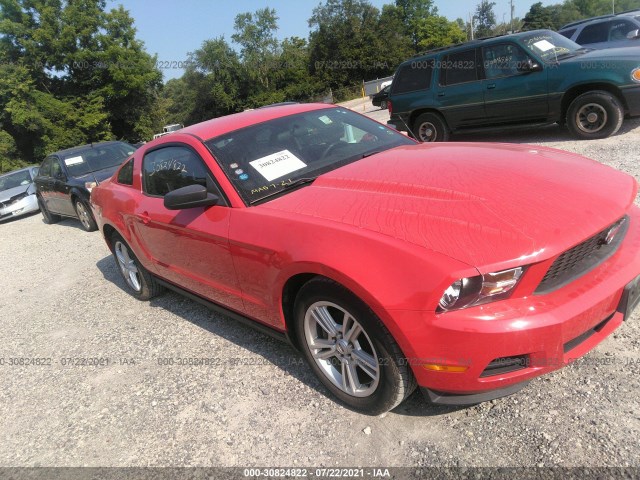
x=73 y=161
x=277 y=165
x=544 y=45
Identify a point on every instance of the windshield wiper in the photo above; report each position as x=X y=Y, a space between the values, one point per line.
x=285 y=187
x=371 y=153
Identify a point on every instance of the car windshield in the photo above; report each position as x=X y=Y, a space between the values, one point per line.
x=15 y=179
x=550 y=46
x=97 y=157
x=270 y=158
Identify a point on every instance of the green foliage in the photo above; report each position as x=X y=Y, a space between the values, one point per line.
x=73 y=73
x=485 y=19
x=436 y=31
x=557 y=15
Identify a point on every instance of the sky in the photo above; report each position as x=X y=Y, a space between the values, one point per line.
x=173 y=28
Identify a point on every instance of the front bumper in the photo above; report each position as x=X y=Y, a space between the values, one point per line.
x=21 y=207
x=528 y=336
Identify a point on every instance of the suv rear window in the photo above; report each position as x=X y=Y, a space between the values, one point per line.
x=568 y=33
x=596 y=33
x=459 y=67
x=413 y=76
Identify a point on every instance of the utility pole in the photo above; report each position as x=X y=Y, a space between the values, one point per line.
x=512 y=8
x=613 y=5
x=471 y=24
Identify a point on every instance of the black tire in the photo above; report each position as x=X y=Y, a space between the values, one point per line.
x=140 y=284
x=48 y=217
x=383 y=105
x=594 y=115
x=83 y=211
x=430 y=127
x=393 y=380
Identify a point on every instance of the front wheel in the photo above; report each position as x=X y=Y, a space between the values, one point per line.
x=594 y=115
x=85 y=216
x=349 y=349
x=430 y=127
x=141 y=284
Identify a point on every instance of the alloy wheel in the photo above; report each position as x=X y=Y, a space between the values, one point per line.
x=127 y=266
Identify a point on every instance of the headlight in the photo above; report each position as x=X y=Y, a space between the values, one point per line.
x=635 y=75
x=480 y=289
x=90 y=185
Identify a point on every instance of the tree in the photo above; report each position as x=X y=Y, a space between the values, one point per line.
x=540 y=16
x=255 y=33
x=412 y=14
x=436 y=31
x=485 y=19
x=344 y=42
x=73 y=73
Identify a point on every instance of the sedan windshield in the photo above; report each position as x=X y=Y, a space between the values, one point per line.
x=270 y=158
x=13 y=180
x=551 y=46
x=97 y=157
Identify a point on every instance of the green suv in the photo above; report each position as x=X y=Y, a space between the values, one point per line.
x=524 y=79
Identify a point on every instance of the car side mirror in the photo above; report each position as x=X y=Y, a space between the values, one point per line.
x=60 y=176
x=530 y=66
x=633 y=34
x=190 y=196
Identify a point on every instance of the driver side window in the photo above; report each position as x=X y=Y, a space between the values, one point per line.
x=170 y=168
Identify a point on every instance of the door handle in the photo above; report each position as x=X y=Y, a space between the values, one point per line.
x=144 y=218
x=441 y=94
x=491 y=86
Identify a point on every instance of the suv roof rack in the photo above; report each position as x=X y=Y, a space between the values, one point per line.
x=470 y=42
x=585 y=20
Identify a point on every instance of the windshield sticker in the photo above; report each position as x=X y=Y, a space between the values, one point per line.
x=277 y=165
x=233 y=165
x=326 y=120
x=244 y=176
x=544 y=45
x=73 y=161
x=239 y=171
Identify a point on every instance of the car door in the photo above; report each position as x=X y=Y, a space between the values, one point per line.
x=513 y=91
x=59 y=190
x=43 y=182
x=459 y=94
x=190 y=247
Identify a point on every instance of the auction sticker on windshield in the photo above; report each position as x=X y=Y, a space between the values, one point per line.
x=277 y=165
x=73 y=161
x=544 y=45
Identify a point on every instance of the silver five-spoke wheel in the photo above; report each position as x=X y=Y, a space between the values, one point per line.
x=127 y=266
x=83 y=215
x=342 y=349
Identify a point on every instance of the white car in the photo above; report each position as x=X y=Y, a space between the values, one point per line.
x=18 y=193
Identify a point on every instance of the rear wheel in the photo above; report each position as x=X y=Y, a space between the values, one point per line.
x=47 y=216
x=140 y=283
x=594 y=115
x=349 y=349
x=430 y=127
x=383 y=105
x=85 y=216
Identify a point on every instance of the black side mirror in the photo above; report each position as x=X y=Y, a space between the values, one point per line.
x=190 y=196
x=529 y=66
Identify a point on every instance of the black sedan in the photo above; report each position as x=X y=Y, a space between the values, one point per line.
x=65 y=180
x=380 y=99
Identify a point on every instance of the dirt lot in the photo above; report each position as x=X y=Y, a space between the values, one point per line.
x=257 y=403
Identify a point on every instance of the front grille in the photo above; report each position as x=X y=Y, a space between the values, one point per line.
x=502 y=365
x=582 y=258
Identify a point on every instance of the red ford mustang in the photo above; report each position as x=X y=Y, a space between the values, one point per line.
x=465 y=269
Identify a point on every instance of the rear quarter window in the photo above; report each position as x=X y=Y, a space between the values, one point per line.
x=413 y=76
x=125 y=174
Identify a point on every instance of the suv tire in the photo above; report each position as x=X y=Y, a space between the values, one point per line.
x=430 y=127
x=594 y=115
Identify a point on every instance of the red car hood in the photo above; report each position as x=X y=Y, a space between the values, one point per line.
x=482 y=204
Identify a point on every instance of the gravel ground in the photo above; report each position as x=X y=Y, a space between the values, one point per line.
x=257 y=403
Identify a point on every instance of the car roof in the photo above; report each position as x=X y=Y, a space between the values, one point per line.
x=18 y=170
x=221 y=125
x=628 y=13
x=82 y=148
x=476 y=42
